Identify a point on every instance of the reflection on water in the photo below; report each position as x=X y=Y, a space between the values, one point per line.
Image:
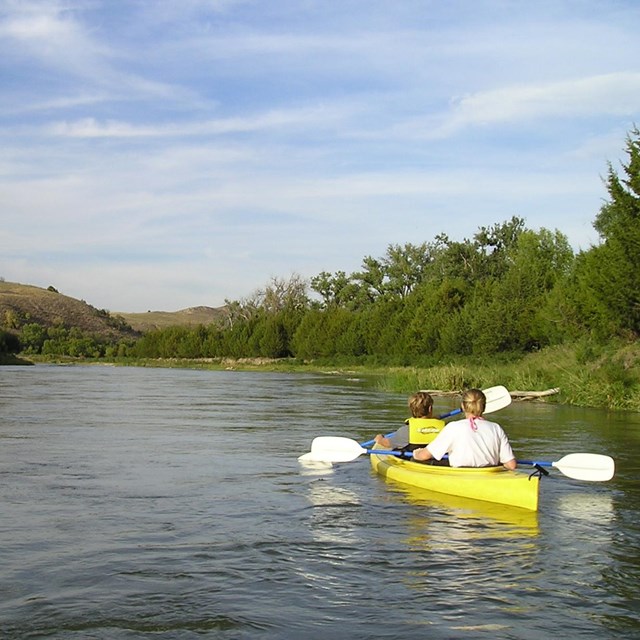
x=335 y=514
x=315 y=467
x=484 y=518
x=587 y=506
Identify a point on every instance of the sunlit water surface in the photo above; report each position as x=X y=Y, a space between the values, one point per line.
x=170 y=504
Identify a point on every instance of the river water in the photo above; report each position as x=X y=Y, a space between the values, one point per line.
x=169 y=503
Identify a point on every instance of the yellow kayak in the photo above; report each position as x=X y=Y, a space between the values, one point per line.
x=492 y=484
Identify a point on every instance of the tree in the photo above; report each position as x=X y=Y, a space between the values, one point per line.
x=274 y=342
x=9 y=342
x=537 y=261
x=406 y=267
x=617 y=276
x=32 y=337
x=282 y=294
x=485 y=256
x=329 y=332
x=603 y=289
x=331 y=288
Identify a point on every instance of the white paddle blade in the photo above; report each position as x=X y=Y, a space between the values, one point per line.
x=592 y=467
x=335 y=449
x=497 y=398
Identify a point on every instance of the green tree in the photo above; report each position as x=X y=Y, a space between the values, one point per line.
x=436 y=305
x=538 y=260
x=602 y=294
x=274 y=342
x=616 y=276
x=9 y=342
x=331 y=288
x=32 y=337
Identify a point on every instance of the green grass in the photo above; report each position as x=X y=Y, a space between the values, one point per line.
x=606 y=377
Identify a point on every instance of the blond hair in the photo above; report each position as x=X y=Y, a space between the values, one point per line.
x=421 y=404
x=474 y=402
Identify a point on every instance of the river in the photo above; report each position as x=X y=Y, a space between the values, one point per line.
x=167 y=503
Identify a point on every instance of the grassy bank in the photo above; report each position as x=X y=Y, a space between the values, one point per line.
x=10 y=359
x=588 y=376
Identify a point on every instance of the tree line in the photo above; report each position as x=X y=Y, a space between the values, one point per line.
x=508 y=289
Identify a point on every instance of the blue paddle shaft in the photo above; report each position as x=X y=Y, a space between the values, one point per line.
x=400 y=454
x=534 y=462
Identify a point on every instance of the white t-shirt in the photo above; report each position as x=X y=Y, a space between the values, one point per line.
x=486 y=445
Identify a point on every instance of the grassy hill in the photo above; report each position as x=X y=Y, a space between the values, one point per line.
x=163 y=319
x=22 y=304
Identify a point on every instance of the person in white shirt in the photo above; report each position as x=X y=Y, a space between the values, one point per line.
x=471 y=442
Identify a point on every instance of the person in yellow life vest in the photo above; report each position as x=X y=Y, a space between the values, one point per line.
x=419 y=430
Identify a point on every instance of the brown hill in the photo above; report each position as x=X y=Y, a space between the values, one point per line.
x=163 y=319
x=22 y=304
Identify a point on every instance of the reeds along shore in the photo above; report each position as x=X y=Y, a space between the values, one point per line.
x=607 y=379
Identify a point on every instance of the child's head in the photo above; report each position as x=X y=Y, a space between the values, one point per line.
x=474 y=402
x=421 y=404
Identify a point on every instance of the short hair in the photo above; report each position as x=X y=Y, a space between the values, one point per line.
x=421 y=404
x=474 y=402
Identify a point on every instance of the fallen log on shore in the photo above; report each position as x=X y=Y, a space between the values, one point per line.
x=519 y=396
x=532 y=395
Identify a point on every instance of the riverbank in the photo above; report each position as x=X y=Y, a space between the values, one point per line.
x=585 y=374
x=10 y=359
x=588 y=376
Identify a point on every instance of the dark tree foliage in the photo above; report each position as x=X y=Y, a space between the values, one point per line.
x=9 y=342
x=602 y=294
x=614 y=267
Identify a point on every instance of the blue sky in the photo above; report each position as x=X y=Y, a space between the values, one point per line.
x=163 y=154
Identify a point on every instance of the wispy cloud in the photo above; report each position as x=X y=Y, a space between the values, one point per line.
x=608 y=94
x=47 y=33
x=288 y=119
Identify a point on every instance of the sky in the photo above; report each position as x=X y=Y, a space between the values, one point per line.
x=166 y=154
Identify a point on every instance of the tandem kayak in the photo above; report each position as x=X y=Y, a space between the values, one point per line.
x=491 y=484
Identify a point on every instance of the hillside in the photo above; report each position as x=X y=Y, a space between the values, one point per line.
x=163 y=319
x=22 y=304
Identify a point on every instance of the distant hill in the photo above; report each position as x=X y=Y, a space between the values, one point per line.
x=163 y=319
x=22 y=304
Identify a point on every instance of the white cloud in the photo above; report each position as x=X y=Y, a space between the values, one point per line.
x=49 y=33
x=614 y=94
x=315 y=116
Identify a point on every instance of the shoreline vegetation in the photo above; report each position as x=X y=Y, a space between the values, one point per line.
x=606 y=377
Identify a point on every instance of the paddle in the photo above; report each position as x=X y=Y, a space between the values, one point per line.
x=497 y=398
x=592 y=467
x=579 y=466
x=339 y=449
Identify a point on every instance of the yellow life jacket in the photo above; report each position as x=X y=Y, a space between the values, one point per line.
x=424 y=430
